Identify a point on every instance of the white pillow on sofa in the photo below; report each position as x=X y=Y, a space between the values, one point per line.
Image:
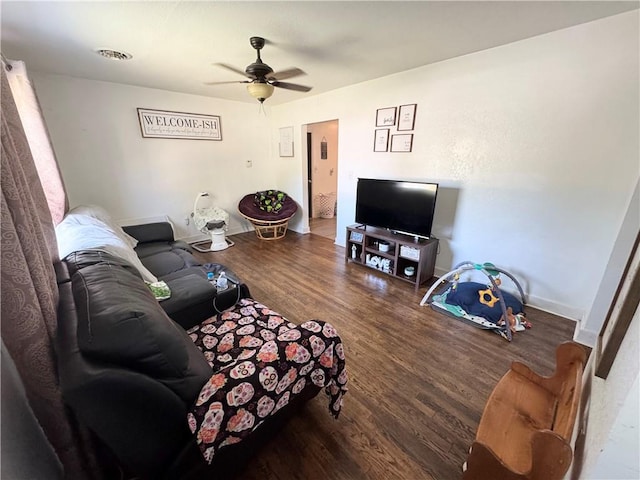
x=101 y=214
x=82 y=232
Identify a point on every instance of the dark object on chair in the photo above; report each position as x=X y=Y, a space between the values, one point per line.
x=268 y=225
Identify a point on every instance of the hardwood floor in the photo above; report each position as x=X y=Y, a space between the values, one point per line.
x=418 y=379
x=325 y=227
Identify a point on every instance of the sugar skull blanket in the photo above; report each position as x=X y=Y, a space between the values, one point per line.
x=260 y=361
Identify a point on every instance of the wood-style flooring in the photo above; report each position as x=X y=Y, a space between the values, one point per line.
x=418 y=379
x=325 y=227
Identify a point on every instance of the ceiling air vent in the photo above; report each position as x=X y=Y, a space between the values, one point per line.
x=113 y=54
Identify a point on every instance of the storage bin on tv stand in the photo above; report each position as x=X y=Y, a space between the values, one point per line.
x=403 y=251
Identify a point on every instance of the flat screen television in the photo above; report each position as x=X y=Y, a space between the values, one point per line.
x=399 y=206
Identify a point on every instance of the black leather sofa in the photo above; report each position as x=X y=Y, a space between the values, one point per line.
x=130 y=374
x=129 y=371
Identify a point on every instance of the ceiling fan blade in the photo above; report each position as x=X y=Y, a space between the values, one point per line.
x=232 y=69
x=225 y=83
x=291 y=86
x=288 y=73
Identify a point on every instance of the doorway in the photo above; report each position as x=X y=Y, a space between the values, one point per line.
x=322 y=177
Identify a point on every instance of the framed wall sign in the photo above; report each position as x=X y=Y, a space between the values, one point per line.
x=406 y=117
x=386 y=117
x=286 y=142
x=402 y=142
x=381 y=140
x=189 y=126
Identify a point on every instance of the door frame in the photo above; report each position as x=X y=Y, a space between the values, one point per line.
x=309 y=175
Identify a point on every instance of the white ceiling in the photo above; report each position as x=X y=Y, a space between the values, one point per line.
x=174 y=44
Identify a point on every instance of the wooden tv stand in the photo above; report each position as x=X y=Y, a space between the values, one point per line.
x=403 y=251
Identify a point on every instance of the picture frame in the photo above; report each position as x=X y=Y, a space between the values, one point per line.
x=621 y=311
x=286 y=142
x=386 y=117
x=179 y=125
x=407 y=117
x=381 y=140
x=356 y=236
x=402 y=142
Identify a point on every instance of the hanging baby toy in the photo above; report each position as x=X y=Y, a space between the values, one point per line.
x=483 y=305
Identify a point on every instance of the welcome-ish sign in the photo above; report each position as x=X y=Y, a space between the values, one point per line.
x=193 y=126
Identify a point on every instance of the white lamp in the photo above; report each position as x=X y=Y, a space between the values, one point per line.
x=260 y=91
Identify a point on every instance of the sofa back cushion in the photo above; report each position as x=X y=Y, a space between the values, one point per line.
x=121 y=323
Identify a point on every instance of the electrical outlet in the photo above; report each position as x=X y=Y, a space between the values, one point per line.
x=186 y=221
x=249 y=163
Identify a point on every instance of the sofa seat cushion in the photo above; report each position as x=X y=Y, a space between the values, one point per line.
x=162 y=262
x=147 y=249
x=121 y=323
x=191 y=299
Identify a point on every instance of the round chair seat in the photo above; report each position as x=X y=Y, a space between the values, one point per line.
x=268 y=226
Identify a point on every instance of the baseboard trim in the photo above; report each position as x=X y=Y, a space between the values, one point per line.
x=585 y=337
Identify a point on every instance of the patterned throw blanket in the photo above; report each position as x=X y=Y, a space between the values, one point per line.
x=260 y=361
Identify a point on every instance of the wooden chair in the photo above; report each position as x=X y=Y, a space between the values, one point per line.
x=526 y=427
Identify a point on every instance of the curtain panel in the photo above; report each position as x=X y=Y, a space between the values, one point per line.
x=35 y=129
x=30 y=295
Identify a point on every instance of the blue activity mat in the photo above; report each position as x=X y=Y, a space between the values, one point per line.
x=483 y=305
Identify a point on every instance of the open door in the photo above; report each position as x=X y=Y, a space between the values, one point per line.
x=322 y=177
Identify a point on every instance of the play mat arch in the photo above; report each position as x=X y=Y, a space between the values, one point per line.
x=490 y=296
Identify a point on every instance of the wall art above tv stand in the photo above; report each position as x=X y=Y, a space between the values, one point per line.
x=398 y=255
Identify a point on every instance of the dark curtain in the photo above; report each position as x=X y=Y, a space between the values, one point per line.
x=30 y=295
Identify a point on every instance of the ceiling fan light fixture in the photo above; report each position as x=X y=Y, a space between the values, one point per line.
x=260 y=91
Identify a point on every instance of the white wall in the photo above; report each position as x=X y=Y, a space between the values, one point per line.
x=535 y=145
x=104 y=159
x=589 y=329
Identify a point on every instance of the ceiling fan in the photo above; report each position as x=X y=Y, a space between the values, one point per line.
x=262 y=78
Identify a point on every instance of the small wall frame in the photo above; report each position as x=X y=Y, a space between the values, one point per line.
x=406 y=117
x=402 y=142
x=386 y=117
x=286 y=142
x=381 y=140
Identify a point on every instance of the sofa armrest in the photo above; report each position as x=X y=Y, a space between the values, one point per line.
x=151 y=232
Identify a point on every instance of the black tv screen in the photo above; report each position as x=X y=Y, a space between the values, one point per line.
x=400 y=206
